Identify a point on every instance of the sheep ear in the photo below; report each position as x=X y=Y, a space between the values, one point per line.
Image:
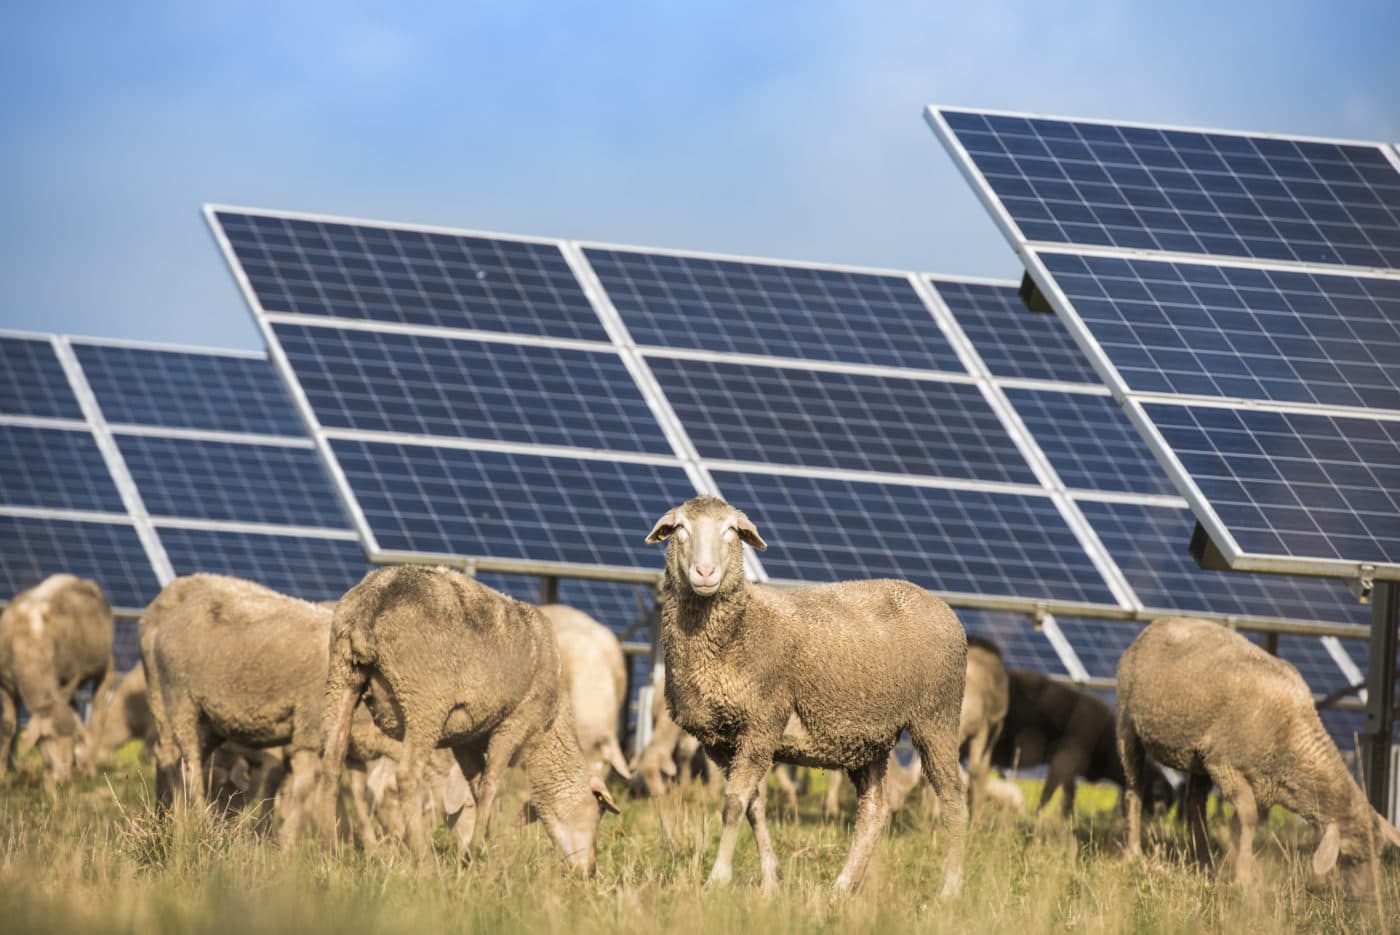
x=613 y=754
x=455 y=791
x=748 y=532
x=663 y=528
x=605 y=799
x=1325 y=857
x=1388 y=832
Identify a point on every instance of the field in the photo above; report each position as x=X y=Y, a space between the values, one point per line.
x=91 y=857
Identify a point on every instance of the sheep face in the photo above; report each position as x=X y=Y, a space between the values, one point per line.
x=572 y=824
x=705 y=548
x=1353 y=852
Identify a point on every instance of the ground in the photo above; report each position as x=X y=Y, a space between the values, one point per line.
x=92 y=856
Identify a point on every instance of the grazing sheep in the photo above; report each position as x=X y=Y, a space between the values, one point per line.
x=595 y=677
x=444 y=661
x=1050 y=722
x=821 y=676
x=231 y=660
x=1203 y=699
x=671 y=753
x=128 y=717
x=53 y=638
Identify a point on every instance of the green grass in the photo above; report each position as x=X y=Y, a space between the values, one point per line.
x=91 y=857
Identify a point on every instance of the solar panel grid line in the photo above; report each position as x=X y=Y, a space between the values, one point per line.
x=264 y=529
x=1052 y=386
x=477 y=444
x=205 y=435
x=111 y=454
x=77 y=516
x=439 y=331
x=1027 y=444
x=803 y=363
x=1132 y=190
x=1118 y=496
x=293 y=387
x=175 y=347
x=1066 y=651
x=878 y=477
x=44 y=422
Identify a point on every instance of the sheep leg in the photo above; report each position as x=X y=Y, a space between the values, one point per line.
x=767 y=856
x=191 y=741
x=417 y=745
x=501 y=749
x=783 y=775
x=743 y=775
x=831 y=805
x=979 y=763
x=1134 y=759
x=1193 y=809
x=1234 y=787
x=872 y=814
x=936 y=740
x=295 y=798
x=464 y=822
x=9 y=724
x=359 y=802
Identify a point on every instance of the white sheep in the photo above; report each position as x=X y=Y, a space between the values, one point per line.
x=595 y=677
x=822 y=676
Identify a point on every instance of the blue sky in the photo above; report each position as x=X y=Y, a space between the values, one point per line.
x=775 y=129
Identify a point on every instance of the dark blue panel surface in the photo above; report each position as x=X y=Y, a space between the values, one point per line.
x=615 y=604
x=946 y=540
x=126 y=644
x=1293 y=484
x=108 y=553
x=1021 y=645
x=309 y=568
x=1250 y=333
x=1149 y=543
x=1090 y=442
x=248 y=483
x=178 y=389
x=1188 y=191
x=1012 y=341
x=470 y=389
x=485 y=503
x=55 y=468
x=1313 y=662
x=1099 y=643
x=387 y=274
x=764 y=308
x=786 y=415
x=32 y=381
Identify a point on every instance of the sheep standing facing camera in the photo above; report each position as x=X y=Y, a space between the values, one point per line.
x=1203 y=699
x=822 y=676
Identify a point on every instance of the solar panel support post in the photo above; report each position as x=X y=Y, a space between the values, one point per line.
x=1380 y=694
x=549 y=589
x=1271 y=643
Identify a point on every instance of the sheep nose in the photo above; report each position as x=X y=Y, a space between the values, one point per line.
x=705 y=571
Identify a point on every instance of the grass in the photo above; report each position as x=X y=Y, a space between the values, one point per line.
x=91 y=856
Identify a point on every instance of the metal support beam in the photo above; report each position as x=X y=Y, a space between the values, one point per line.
x=549 y=589
x=1380 y=694
x=1271 y=643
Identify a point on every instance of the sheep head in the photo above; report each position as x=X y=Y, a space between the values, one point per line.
x=1352 y=847
x=705 y=548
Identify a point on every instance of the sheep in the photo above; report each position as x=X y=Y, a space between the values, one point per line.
x=231 y=660
x=821 y=676
x=1050 y=722
x=1203 y=699
x=128 y=717
x=595 y=677
x=54 y=637
x=671 y=752
x=445 y=661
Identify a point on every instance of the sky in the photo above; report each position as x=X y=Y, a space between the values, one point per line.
x=779 y=129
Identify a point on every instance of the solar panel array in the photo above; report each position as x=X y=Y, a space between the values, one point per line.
x=1240 y=295
x=480 y=404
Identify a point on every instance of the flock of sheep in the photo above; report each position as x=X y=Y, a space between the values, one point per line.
x=404 y=702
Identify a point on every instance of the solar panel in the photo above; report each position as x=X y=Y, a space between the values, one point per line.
x=312 y=567
x=425 y=385
x=108 y=552
x=971 y=542
x=858 y=422
x=1182 y=191
x=1100 y=643
x=1010 y=342
x=1021 y=645
x=56 y=468
x=32 y=381
x=184 y=389
x=739 y=306
x=1239 y=332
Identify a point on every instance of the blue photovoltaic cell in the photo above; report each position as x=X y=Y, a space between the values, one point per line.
x=1099 y=643
x=615 y=604
x=1250 y=333
x=735 y=306
x=1293 y=484
x=787 y=415
x=200 y=479
x=1021 y=645
x=185 y=390
x=55 y=468
x=485 y=503
x=1012 y=341
x=977 y=542
x=470 y=389
x=1150 y=545
x=1188 y=191
x=1313 y=662
x=126 y=644
x=377 y=273
x=1090 y=442
x=302 y=566
x=32 y=381
x=108 y=553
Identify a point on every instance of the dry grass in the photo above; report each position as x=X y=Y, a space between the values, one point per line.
x=91 y=857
